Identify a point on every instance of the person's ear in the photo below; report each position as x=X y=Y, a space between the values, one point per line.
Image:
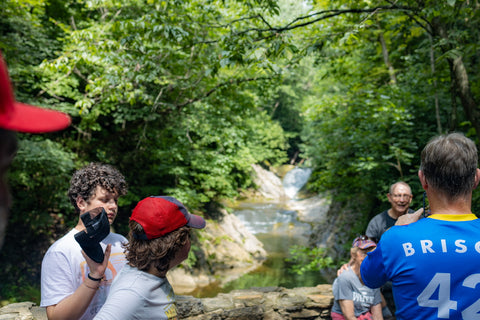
x=389 y=196
x=477 y=178
x=81 y=203
x=423 y=180
x=410 y=201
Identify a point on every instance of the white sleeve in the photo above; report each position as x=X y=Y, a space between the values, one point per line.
x=57 y=280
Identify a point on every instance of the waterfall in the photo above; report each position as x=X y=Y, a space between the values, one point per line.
x=279 y=221
x=274 y=215
x=294 y=180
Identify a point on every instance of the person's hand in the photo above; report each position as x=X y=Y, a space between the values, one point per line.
x=342 y=268
x=409 y=218
x=97 y=270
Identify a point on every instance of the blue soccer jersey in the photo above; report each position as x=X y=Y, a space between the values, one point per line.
x=434 y=266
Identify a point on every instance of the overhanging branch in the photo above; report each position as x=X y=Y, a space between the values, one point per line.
x=218 y=87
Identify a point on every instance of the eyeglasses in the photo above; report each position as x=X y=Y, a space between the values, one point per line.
x=400 y=196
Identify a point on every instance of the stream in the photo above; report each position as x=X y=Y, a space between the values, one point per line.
x=278 y=229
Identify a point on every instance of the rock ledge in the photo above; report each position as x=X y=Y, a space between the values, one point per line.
x=267 y=303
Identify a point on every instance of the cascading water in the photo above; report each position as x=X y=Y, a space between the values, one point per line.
x=278 y=228
x=294 y=180
x=272 y=217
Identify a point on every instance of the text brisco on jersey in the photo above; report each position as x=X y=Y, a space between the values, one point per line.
x=442 y=246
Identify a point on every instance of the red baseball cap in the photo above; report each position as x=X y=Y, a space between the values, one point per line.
x=159 y=215
x=16 y=116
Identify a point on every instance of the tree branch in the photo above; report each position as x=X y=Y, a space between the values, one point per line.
x=322 y=16
x=219 y=86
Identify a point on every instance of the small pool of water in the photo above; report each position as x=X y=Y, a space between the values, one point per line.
x=274 y=272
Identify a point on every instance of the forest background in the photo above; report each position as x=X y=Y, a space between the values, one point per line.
x=184 y=96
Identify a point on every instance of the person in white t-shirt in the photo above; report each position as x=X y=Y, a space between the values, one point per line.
x=73 y=286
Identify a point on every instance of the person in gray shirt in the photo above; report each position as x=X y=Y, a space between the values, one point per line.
x=352 y=299
x=159 y=240
x=400 y=197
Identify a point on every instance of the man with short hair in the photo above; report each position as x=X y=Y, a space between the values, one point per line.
x=433 y=263
x=73 y=286
x=400 y=197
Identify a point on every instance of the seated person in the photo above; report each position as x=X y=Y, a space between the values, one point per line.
x=159 y=240
x=354 y=300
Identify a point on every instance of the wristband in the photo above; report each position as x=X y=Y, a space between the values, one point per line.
x=94 y=279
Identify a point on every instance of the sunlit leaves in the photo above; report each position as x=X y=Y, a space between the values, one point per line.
x=309 y=259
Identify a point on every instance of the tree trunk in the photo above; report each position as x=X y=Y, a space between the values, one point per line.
x=386 y=59
x=432 y=67
x=453 y=98
x=460 y=81
x=464 y=92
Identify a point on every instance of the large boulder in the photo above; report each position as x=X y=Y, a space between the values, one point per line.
x=269 y=185
x=230 y=251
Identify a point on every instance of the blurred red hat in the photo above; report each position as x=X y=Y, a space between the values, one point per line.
x=16 y=116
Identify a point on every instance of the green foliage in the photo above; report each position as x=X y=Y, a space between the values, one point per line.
x=20 y=291
x=39 y=178
x=363 y=131
x=308 y=259
x=40 y=175
x=191 y=261
x=166 y=91
x=153 y=79
x=183 y=96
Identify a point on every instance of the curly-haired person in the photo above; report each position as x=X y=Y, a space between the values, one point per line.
x=73 y=286
x=159 y=240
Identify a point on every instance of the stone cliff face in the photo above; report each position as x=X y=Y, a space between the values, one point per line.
x=335 y=234
x=269 y=185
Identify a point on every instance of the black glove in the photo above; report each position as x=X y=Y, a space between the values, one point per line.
x=97 y=228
